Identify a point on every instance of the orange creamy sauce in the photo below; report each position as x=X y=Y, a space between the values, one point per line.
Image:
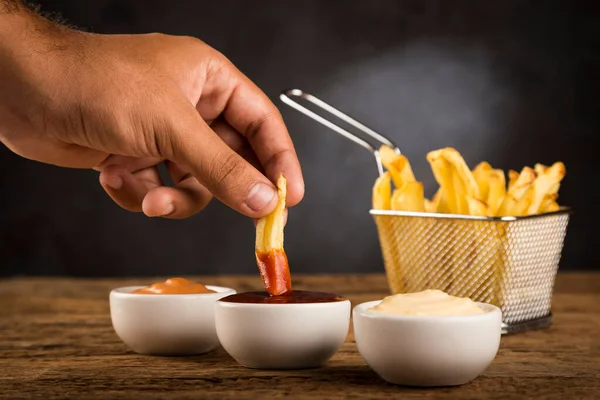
x=175 y=286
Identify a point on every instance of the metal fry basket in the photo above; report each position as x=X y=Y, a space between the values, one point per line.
x=510 y=262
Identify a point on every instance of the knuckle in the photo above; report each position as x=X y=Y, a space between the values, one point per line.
x=255 y=126
x=227 y=170
x=192 y=42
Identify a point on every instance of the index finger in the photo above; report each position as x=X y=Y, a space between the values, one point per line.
x=252 y=114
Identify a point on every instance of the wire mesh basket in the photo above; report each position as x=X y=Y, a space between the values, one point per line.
x=510 y=262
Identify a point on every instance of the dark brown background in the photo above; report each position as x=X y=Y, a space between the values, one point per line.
x=512 y=82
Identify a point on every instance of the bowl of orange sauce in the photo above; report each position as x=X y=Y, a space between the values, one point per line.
x=175 y=317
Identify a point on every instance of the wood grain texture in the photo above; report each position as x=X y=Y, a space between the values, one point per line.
x=57 y=342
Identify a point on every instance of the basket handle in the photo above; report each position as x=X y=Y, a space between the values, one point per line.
x=286 y=97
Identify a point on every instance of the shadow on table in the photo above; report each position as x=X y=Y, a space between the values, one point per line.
x=218 y=367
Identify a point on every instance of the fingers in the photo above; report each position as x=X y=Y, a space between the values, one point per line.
x=187 y=198
x=125 y=189
x=143 y=190
x=248 y=110
x=176 y=203
x=237 y=142
x=190 y=142
x=131 y=164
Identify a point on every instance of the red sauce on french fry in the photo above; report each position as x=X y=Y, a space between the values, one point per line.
x=290 y=297
x=174 y=286
x=275 y=272
x=270 y=256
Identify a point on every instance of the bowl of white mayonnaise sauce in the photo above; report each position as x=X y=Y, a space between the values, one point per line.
x=427 y=338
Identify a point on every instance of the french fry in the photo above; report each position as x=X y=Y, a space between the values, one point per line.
x=270 y=255
x=409 y=198
x=455 y=179
x=492 y=185
x=442 y=171
x=382 y=192
x=512 y=178
x=522 y=205
x=481 y=173
x=398 y=165
x=547 y=183
x=540 y=169
x=432 y=205
x=463 y=171
x=522 y=183
x=478 y=207
x=515 y=202
x=496 y=190
x=549 y=205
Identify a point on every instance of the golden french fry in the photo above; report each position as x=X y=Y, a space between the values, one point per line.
x=382 y=192
x=442 y=171
x=409 y=198
x=398 y=165
x=429 y=206
x=549 y=205
x=522 y=183
x=387 y=154
x=497 y=190
x=460 y=194
x=481 y=174
x=270 y=255
x=478 y=207
x=540 y=168
x=512 y=178
x=515 y=199
x=522 y=205
x=463 y=172
x=455 y=178
x=546 y=183
x=508 y=203
x=432 y=205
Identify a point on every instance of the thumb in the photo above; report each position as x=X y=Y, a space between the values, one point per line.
x=189 y=141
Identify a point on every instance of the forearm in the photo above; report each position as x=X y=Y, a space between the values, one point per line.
x=23 y=24
x=16 y=20
x=23 y=49
x=10 y=6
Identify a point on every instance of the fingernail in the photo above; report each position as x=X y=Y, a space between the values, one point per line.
x=260 y=196
x=115 y=182
x=168 y=210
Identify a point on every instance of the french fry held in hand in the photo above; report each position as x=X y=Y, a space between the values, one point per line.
x=270 y=255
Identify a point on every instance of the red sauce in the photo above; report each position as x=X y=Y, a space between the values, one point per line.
x=291 y=297
x=174 y=286
x=274 y=271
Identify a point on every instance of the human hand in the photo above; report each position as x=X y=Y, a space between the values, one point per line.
x=121 y=104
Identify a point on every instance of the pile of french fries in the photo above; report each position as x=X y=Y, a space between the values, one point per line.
x=482 y=191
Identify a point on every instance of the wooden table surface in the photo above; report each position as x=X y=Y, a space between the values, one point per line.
x=56 y=341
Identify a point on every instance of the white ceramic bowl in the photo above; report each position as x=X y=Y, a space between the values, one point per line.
x=424 y=350
x=282 y=336
x=166 y=324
